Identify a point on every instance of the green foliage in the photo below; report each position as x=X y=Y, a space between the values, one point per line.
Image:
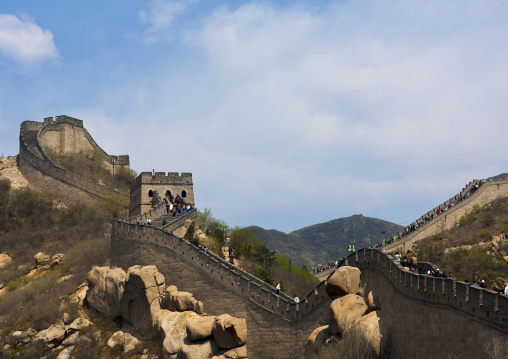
x=462 y=220
x=6 y=331
x=503 y=228
x=15 y=284
x=476 y=207
x=263 y=274
x=329 y=240
x=205 y=218
x=485 y=232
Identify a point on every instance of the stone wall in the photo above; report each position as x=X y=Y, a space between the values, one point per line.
x=42 y=173
x=277 y=326
x=428 y=316
x=425 y=316
x=147 y=182
x=486 y=193
x=67 y=135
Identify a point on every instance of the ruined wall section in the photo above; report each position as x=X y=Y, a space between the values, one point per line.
x=43 y=174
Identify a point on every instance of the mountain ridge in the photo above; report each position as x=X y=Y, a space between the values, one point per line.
x=322 y=242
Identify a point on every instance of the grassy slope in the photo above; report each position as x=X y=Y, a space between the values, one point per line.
x=480 y=260
x=320 y=243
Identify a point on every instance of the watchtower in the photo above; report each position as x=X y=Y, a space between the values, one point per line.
x=172 y=184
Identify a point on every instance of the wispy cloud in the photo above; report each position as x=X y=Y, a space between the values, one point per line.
x=25 y=41
x=160 y=16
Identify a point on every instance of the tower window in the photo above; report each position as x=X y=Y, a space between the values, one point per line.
x=184 y=193
x=150 y=193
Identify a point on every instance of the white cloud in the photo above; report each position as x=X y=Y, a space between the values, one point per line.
x=25 y=41
x=358 y=107
x=160 y=17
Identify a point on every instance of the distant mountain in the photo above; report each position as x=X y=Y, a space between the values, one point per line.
x=320 y=243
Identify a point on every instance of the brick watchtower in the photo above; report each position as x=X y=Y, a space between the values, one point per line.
x=144 y=186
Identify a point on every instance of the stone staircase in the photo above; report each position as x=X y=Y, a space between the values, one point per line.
x=169 y=219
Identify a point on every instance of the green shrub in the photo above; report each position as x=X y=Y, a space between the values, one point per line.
x=476 y=207
x=503 y=228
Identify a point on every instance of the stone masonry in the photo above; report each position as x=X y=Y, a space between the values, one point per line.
x=414 y=305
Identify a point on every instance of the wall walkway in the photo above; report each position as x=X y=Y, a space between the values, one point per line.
x=278 y=328
x=42 y=173
x=488 y=191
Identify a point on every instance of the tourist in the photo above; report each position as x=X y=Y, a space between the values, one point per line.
x=140 y=222
x=297 y=300
x=506 y=289
x=164 y=222
x=277 y=288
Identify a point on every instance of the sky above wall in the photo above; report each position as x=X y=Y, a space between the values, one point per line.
x=287 y=113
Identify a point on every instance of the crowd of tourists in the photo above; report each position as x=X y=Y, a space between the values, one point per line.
x=176 y=205
x=320 y=268
x=420 y=222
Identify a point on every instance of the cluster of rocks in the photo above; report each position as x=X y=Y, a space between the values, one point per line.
x=60 y=337
x=190 y=230
x=142 y=299
x=350 y=311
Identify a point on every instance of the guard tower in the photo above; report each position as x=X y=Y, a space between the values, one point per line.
x=172 y=184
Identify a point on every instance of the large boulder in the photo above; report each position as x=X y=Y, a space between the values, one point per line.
x=345 y=280
x=367 y=328
x=373 y=301
x=180 y=301
x=140 y=302
x=105 y=289
x=237 y=353
x=344 y=311
x=5 y=260
x=229 y=332
x=52 y=336
x=41 y=259
x=171 y=327
x=124 y=340
x=317 y=340
x=199 y=327
x=197 y=350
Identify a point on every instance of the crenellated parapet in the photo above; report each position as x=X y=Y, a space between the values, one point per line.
x=43 y=173
x=448 y=214
x=224 y=288
x=168 y=185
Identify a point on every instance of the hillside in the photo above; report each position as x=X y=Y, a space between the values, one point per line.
x=323 y=242
x=477 y=248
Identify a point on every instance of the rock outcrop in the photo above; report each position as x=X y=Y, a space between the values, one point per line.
x=351 y=315
x=105 y=289
x=345 y=280
x=142 y=299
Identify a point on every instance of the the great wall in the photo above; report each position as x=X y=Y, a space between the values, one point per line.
x=42 y=173
x=421 y=316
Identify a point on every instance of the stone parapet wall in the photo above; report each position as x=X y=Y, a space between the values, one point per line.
x=32 y=159
x=224 y=288
x=486 y=193
x=277 y=326
x=479 y=304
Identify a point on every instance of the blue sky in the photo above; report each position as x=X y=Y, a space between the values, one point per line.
x=287 y=113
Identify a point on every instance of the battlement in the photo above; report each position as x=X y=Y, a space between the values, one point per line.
x=63 y=119
x=43 y=173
